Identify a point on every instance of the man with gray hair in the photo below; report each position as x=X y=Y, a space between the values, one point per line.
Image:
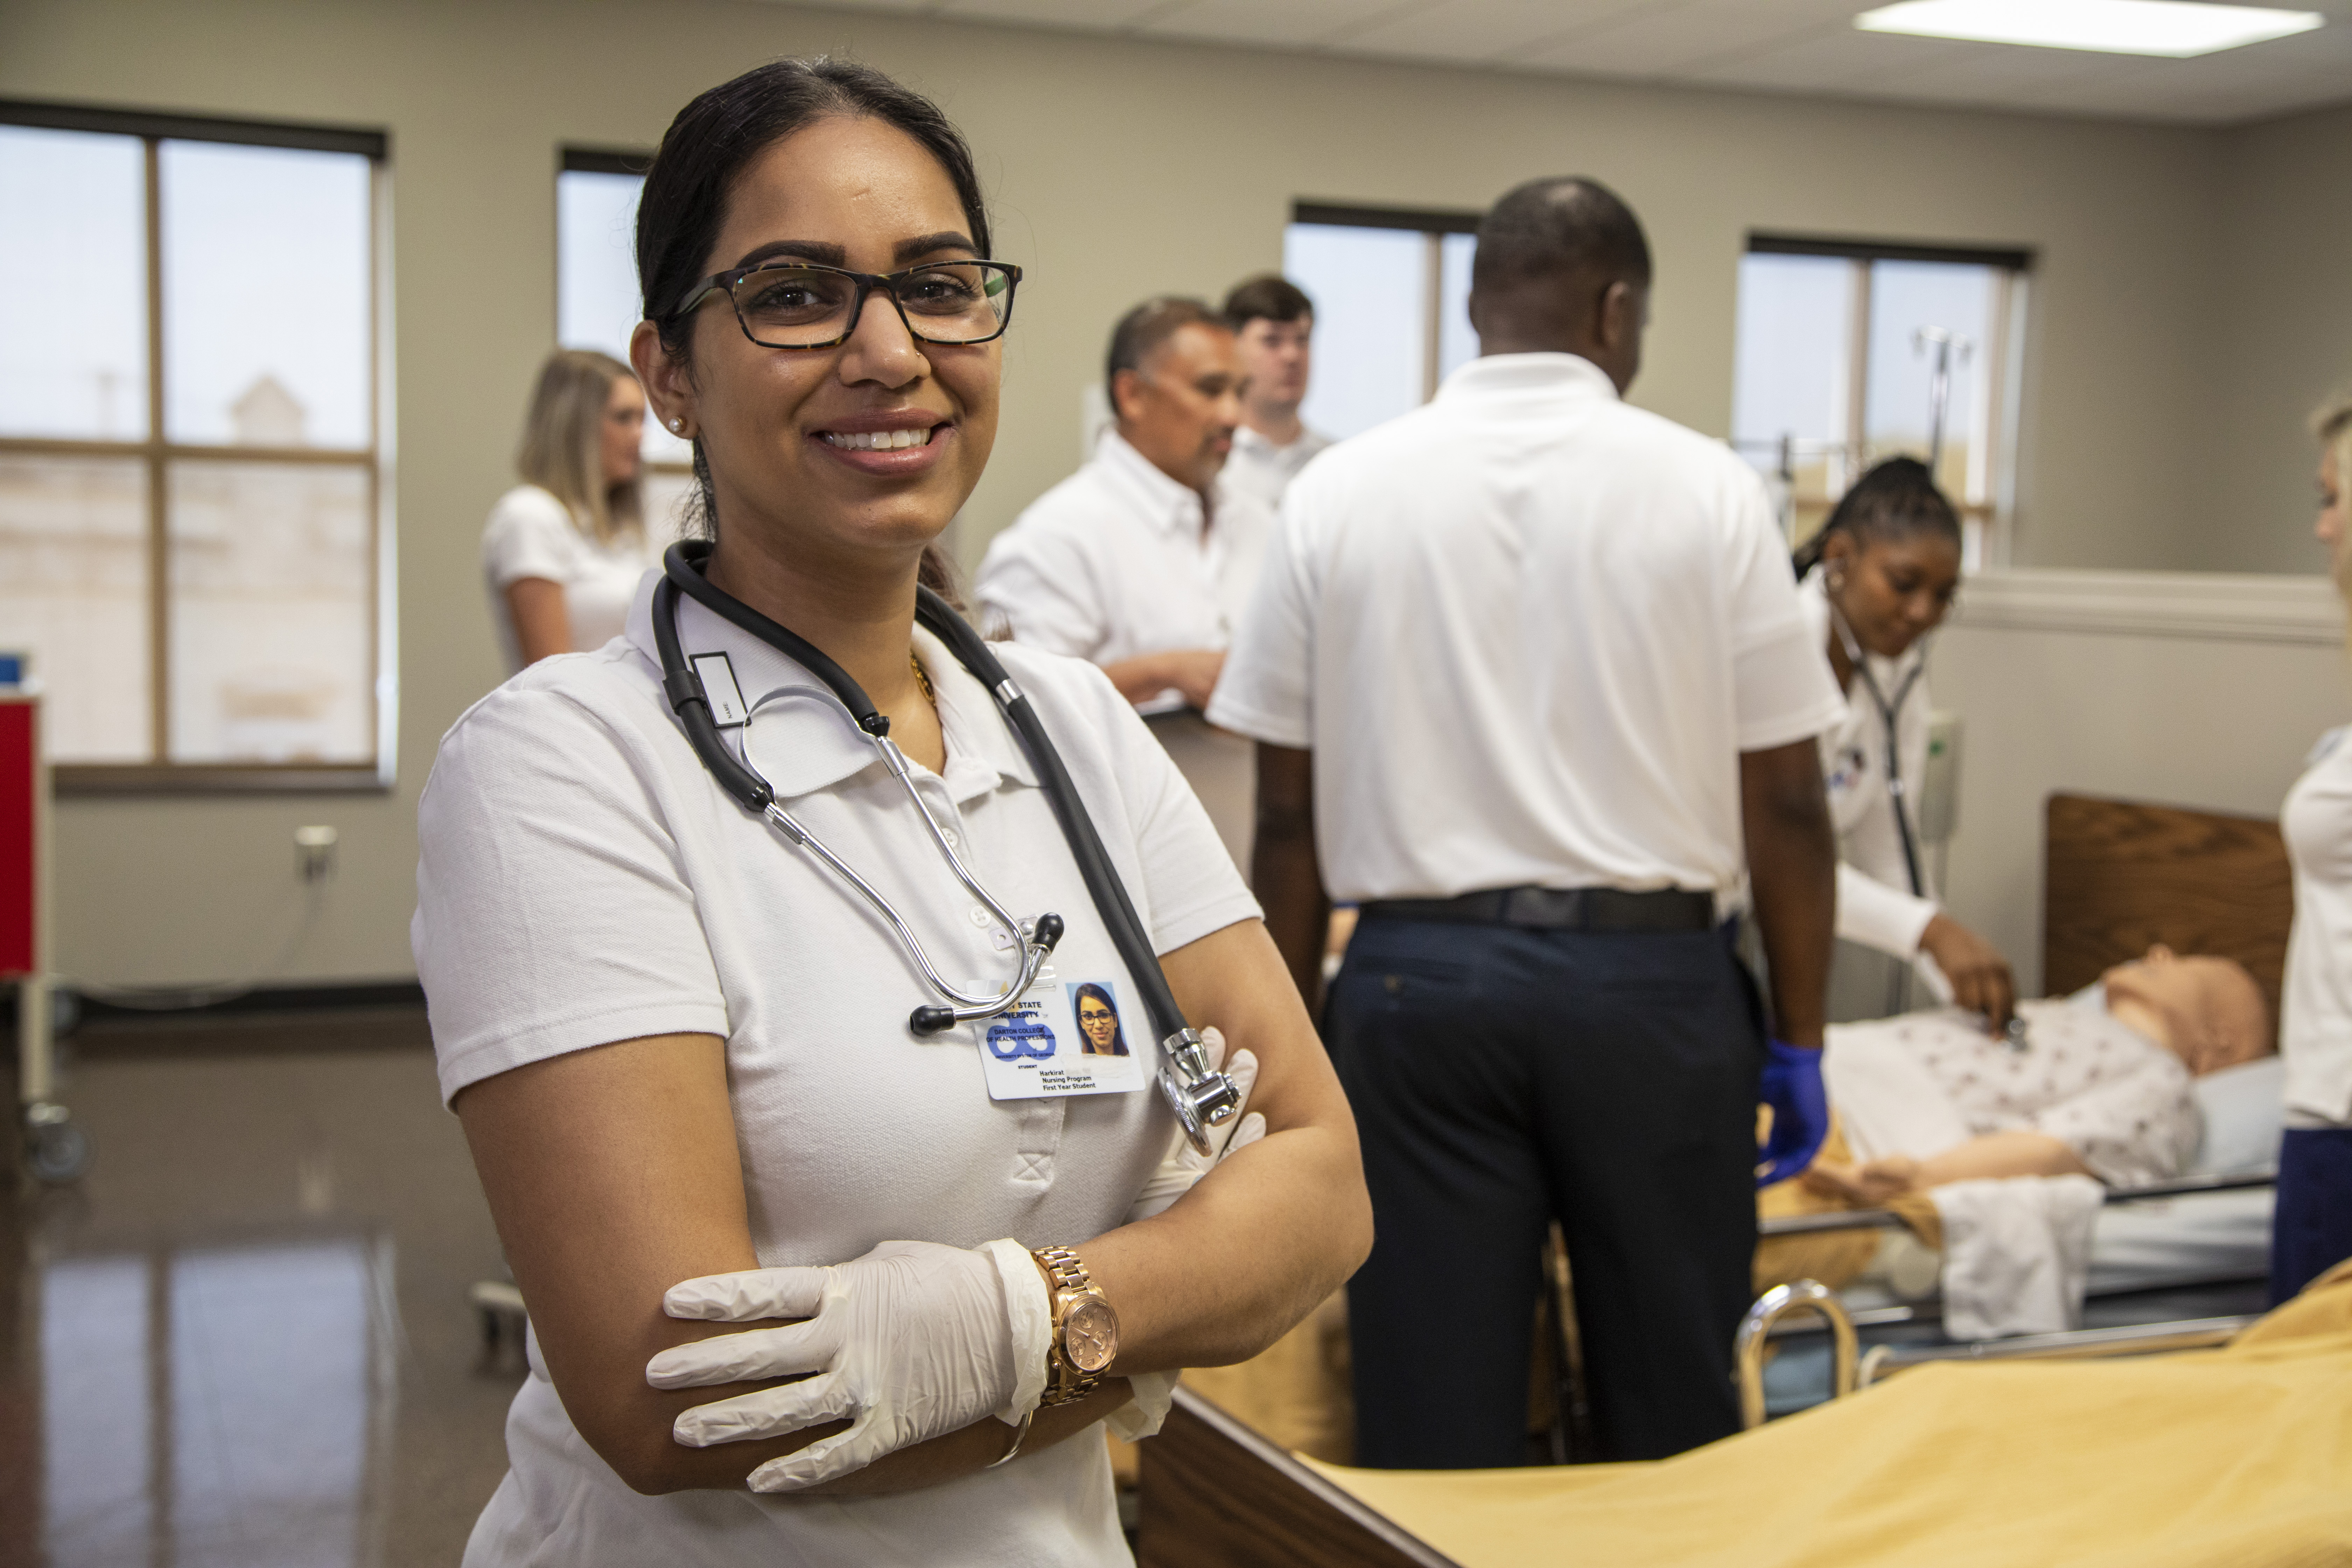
x=1142 y=560
x=1533 y=688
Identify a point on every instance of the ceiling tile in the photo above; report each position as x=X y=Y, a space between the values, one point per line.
x=1293 y=21
x=1091 y=16
x=1688 y=40
x=1496 y=30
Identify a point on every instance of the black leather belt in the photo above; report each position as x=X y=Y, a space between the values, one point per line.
x=1558 y=909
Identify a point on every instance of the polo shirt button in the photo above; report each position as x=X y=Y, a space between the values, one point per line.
x=982 y=918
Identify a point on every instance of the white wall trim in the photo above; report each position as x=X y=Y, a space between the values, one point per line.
x=2233 y=606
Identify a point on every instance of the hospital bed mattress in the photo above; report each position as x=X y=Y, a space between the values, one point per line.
x=2234 y=1458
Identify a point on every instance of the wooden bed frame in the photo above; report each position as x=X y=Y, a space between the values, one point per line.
x=2118 y=876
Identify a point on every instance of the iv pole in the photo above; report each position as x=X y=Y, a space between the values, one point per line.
x=1943 y=341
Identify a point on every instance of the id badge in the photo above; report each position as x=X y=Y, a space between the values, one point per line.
x=1064 y=1036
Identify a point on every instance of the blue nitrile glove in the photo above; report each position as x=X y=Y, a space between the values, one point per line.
x=1791 y=1086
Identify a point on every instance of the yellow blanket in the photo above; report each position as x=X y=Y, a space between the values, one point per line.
x=2226 y=1458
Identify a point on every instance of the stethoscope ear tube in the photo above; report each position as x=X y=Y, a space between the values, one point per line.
x=692 y=705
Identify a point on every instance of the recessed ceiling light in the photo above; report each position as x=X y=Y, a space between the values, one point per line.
x=2170 y=27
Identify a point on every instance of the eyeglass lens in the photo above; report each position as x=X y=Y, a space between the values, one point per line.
x=954 y=302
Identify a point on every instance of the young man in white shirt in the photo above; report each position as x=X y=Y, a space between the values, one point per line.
x=1141 y=562
x=1532 y=687
x=1273 y=325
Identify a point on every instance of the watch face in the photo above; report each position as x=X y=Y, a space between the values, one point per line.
x=1090 y=1335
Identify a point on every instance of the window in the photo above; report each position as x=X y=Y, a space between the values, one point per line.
x=1391 y=293
x=596 y=300
x=189 y=446
x=1850 y=353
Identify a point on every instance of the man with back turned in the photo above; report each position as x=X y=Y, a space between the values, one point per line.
x=1531 y=685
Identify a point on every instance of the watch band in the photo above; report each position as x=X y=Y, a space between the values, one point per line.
x=1075 y=1295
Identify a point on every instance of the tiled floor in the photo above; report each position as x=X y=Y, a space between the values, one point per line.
x=243 y=1340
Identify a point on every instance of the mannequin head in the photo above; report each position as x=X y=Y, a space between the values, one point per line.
x=2209 y=1012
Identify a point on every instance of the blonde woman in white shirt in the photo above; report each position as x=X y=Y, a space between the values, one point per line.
x=564 y=550
x=680 y=1044
x=1878 y=577
x=2311 y=1227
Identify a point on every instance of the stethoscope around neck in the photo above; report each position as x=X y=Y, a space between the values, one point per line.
x=1890 y=714
x=1201 y=1098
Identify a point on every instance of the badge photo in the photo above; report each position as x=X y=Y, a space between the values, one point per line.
x=1096 y=1007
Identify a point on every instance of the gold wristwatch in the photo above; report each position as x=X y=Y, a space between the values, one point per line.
x=1085 y=1329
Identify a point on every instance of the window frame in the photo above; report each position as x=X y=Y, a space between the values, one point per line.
x=1433 y=224
x=157 y=455
x=1988 y=519
x=577 y=159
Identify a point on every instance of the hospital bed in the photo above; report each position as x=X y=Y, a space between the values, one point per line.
x=2176 y=1456
x=2120 y=876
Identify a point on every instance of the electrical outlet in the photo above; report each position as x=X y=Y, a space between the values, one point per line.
x=314 y=852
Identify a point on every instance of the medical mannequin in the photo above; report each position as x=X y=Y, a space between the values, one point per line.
x=2312 y=1226
x=562 y=551
x=1878 y=577
x=772 y=1240
x=2084 y=1096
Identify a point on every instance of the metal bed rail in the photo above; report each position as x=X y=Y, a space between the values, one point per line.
x=1887 y=1219
x=2137 y=1339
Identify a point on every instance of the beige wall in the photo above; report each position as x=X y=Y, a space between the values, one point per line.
x=2203 y=691
x=2286 y=307
x=1118 y=169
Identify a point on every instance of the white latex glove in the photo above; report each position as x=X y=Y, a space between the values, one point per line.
x=1152 y=1392
x=1185 y=1166
x=908 y=1343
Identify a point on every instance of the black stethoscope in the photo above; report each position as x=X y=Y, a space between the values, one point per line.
x=1201 y=1097
x=1890 y=714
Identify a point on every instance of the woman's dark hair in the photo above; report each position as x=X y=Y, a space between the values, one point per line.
x=1091 y=991
x=1895 y=500
x=707 y=149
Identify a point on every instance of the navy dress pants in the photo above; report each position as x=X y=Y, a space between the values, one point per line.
x=2311 y=1223
x=1502 y=1076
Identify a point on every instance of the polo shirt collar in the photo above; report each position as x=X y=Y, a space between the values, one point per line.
x=1154 y=498
x=806 y=741
x=1518 y=376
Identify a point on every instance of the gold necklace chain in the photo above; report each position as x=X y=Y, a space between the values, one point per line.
x=922 y=679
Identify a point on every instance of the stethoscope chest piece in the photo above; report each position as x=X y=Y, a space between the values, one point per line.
x=1199 y=1097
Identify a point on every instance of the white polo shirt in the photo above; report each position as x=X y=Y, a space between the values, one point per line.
x=2316 y=1004
x=530 y=534
x=584 y=880
x=1526 y=631
x=1264 y=469
x=1875 y=906
x=1119 y=560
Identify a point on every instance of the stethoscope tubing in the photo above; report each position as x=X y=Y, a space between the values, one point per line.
x=1200 y=1097
x=1890 y=715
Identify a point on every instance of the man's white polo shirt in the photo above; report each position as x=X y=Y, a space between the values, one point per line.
x=1264 y=469
x=1527 y=630
x=584 y=880
x=1116 y=560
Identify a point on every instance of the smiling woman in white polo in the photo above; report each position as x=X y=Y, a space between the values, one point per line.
x=680 y=1044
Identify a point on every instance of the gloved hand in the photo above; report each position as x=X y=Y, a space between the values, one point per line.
x=1185 y=1164
x=1791 y=1086
x=912 y=1340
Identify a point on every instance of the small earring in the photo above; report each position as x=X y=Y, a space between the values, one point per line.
x=678 y=424
x=1837 y=582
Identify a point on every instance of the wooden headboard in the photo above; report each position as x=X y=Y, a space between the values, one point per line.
x=2120 y=876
